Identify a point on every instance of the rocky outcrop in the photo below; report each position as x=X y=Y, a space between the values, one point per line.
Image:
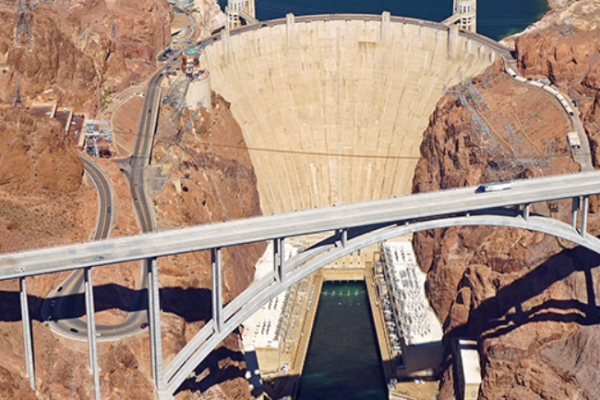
x=36 y=156
x=44 y=201
x=208 y=16
x=570 y=61
x=83 y=49
x=212 y=179
x=530 y=300
x=40 y=179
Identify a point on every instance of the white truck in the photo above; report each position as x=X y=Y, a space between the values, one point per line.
x=573 y=139
x=494 y=187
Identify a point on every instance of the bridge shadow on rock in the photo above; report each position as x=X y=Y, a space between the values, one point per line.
x=220 y=366
x=503 y=313
x=192 y=304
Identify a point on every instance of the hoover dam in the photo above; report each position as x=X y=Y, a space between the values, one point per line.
x=333 y=108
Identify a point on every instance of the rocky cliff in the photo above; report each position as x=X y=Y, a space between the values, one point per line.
x=45 y=202
x=81 y=49
x=211 y=179
x=529 y=299
x=40 y=176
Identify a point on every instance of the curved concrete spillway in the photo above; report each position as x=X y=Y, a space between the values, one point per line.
x=333 y=111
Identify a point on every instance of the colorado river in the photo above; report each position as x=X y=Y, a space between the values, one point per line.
x=343 y=358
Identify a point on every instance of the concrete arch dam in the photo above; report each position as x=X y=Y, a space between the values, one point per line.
x=333 y=108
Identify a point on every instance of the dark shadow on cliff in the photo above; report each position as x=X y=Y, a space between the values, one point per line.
x=220 y=366
x=191 y=304
x=503 y=313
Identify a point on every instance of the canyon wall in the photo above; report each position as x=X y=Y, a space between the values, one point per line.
x=529 y=299
x=80 y=49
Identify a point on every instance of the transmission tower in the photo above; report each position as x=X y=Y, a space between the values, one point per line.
x=18 y=100
x=113 y=31
x=23 y=24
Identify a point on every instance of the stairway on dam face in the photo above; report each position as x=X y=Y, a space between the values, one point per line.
x=331 y=112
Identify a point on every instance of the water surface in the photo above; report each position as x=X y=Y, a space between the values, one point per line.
x=343 y=359
x=495 y=19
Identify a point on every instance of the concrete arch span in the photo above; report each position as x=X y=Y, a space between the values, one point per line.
x=332 y=107
x=331 y=249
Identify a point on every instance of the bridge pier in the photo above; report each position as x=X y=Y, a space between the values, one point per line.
x=217 y=298
x=584 y=213
x=154 y=325
x=526 y=211
x=278 y=259
x=28 y=343
x=91 y=330
x=574 y=212
x=344 y=238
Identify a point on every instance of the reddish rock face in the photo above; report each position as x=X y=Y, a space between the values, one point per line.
x=43 y=202
x=81 y=48
x=571 y=62
x=35 y=156
x=530 y=299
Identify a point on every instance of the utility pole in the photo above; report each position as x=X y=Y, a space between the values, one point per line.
x=23 y=25
x=18 y=100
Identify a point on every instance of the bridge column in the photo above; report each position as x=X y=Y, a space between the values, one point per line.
x=278 y=259
x=526 y=211
x=584 y=213
x=154 y=325
x=344 y=237
x=91 y=329
x=574 y=212
x=217 y=298
x=28 y=343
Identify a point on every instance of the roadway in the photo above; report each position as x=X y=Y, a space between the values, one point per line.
x=208 y=236
x=55 y=307
x=583 y=155
x=500 y=49
x=59 y=307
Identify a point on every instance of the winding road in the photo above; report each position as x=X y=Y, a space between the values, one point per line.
x=62 y=306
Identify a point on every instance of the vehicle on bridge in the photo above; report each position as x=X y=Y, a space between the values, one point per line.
x=494 y=187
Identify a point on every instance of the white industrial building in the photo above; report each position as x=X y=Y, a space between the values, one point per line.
x=468 y=369
x=265 y=331
x=415 y=332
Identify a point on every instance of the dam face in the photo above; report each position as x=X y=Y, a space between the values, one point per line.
x=333 y=111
